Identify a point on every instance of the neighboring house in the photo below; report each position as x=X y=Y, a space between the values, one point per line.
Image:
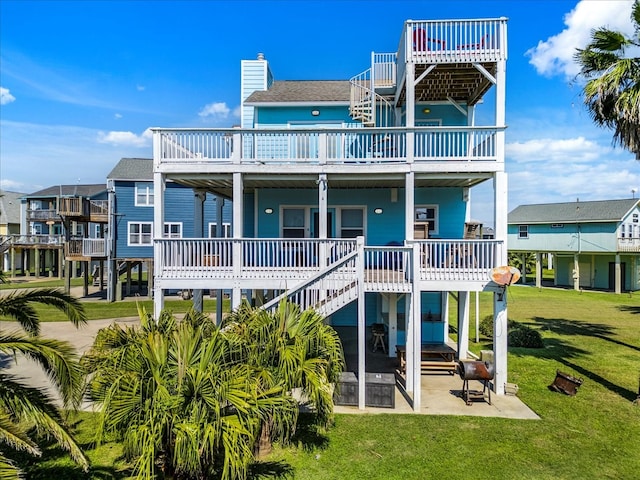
x=353 y=196
x=9 y=223
x=594 y=244
x=131 y=188
x=63 y=223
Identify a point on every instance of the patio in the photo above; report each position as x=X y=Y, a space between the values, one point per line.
x=441 y=391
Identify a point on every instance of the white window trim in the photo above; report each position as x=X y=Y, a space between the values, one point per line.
x=520 y=231
x=226 y=229
x=436 y=217
x=165 y=234
x=129 y=243
x=139 y=186
x=307 y=219
x=338 y=219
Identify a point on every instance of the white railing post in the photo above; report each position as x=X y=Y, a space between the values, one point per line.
x=362 y=332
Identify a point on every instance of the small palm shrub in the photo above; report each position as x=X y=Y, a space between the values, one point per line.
x=525 y=337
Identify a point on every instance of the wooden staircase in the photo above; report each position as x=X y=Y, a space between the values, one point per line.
x=327 y=291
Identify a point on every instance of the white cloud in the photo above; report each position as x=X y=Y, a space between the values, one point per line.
x=555 y=55
x=126 y=138
x=576 y=150
x=5 y=96
x=117 y=115
x=140 y=88
x=217 y=109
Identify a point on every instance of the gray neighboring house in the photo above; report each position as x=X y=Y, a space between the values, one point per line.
x=9 y=223
x=594 y=244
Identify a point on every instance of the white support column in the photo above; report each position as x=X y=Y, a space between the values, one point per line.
x=219 y=234
x=477 y=305
x=500 y=340
x=410 y=112
x=408 y=331
x=393 y=323
x=501 y=211
x=523 y=261
x=159 y=184
x=238 y=206
x=417 y=335
x=409 y=212
x=322 y=219
x=538 y=270
x=362 y=327
x=463 y=324
x=618 y=275
x=445 y=314
x=576 y=272
x=199 y=198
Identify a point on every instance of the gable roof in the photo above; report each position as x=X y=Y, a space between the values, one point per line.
x=132 y=169
x=10 y=207
x=88 y=190
x=303 y=91
x=573 y=212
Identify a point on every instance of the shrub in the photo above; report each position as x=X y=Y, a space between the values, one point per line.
x=526 y=337
x=486 y=326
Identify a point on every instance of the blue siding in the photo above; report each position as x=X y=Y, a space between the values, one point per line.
x=179 y=207
x=284 y=116
x=380 y=229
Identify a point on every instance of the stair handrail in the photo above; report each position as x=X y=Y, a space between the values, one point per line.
x=362 y=93
x=305 y=284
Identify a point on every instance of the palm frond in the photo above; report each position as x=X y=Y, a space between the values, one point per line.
x=19 y=306
x=38 y=410
x=57 y=359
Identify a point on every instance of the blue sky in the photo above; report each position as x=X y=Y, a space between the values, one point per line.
x=82 y=81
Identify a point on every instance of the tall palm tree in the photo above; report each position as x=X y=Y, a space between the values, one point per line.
x=612 y=91
x=298 y=350
x=181 y=397
x=24 y=408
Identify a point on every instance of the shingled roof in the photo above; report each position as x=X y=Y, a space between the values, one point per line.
x=10 y=207
x=87 y=190
x=572 y=212
x=132 y=169
x=303 y=91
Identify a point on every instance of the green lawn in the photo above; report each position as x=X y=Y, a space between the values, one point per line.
x=595 y=434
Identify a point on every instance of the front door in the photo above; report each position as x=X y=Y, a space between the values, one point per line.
x=315 y=232
x=612 y=276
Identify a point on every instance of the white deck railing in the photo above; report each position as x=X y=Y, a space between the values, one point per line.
x=469 y=260
x=49 y=240
x=94 y=247
x=344 y=146
x=629 y=244
x=284 y=260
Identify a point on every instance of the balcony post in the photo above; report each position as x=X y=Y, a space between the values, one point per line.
x=199 y=198
x=362 y=333
x=499 y=341
x=159 y=183
x=463 y=324
x=238 y=206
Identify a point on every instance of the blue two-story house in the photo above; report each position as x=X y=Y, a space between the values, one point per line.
x=353 y=196
x=130 y=239
x=594 y=244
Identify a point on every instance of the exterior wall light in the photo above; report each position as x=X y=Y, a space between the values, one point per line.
x=315 y=113
x=426 y=110
x=268 y=210
x=377 y=211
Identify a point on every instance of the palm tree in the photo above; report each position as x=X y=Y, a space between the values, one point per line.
x=612 y=91
x=296 y=349
x=181 y=397
x=23 y=408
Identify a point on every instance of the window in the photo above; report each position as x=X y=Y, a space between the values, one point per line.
x=635 y=218
x=523 y=231
x=144 y=194
x=293 y=222
x=426 y=220
x=351 y=222
x=226 y=230
x=557 y=225
x=173 y=230
x=140 y=233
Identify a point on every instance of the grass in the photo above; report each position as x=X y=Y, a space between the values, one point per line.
x=592 y=335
